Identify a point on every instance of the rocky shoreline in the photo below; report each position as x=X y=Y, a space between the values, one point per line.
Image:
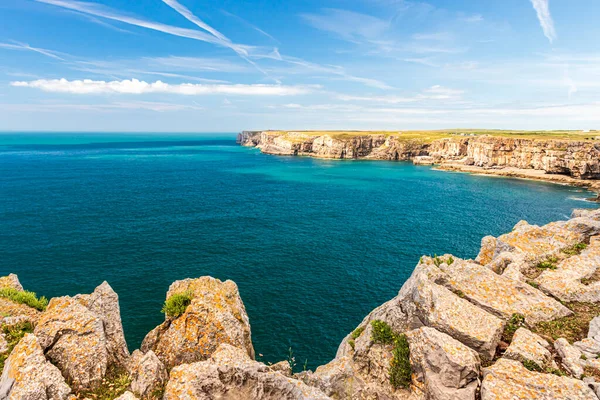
x=570 y=162
x=521 y=321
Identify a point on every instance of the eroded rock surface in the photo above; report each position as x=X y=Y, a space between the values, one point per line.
x=148 y=374
x=508 y=379
x=527 y=346
x=83 y=337
x=28 y=375
x=216 y=315
x=230 y=374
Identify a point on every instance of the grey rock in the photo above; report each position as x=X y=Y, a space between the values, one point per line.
x=571 y=357
x=526 y=345
x=147 y=373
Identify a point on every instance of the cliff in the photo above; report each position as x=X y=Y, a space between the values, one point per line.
x=546 y=159
x=521 y=321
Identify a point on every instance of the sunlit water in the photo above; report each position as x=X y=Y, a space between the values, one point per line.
x=313 y=245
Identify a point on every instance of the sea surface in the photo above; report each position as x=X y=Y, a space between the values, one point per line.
x=313 y=245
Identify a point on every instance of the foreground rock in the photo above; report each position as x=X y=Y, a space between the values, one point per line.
x=230 y=374
x=216 y=315
x=508 y=379
x=28 y=375
x=148 y=374
x=527 y=346
x=83 y=336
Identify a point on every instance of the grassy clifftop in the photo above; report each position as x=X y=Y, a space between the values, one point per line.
x=431 y=135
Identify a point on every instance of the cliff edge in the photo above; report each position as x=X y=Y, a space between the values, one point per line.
x=521 y=321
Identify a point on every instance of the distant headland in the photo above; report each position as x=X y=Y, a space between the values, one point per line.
x=567 y=157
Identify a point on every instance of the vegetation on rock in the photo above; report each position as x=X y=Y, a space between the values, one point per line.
x=13 y=334
x=400 y=369
x=573 y=327
x=24 y=297
x=177 y=304
x=515 y=322
x=575 y=249
x=114 y=384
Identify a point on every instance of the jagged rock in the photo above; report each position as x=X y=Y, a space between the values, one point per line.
x=83 y=342
x=447 y=369
x=565 y=282
x=147 y=373
x=487 y=252
x=571 y=357
x=594 y=331
x=589 y=347
x=104 y=302
x=499 y=295
x=216 y=315
x=3 y=344
x=508 y=379
x=537 y=243
x=526 y=345
x=283 y=367
x=127 y=396
x=10 y=281
x=27 y=375
x=587 y=213
x=230 y=374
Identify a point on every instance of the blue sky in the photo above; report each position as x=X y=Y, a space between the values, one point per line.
x=215 y=66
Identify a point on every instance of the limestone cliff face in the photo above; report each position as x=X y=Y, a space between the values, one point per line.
x=578 y=159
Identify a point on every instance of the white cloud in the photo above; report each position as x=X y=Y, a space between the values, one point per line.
x=135 y=86
x=542 y=9
x=349 y=25
x=438 y=92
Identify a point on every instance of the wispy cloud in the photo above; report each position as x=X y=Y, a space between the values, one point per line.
x=542 y=9
x=25 y=47
x=256 y=28
x=349 y=25
x=116 y=106
x=134 y=86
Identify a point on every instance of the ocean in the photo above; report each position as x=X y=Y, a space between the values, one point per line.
x=314 y=245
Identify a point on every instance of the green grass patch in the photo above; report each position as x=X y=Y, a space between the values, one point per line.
x=574 y=327
x=515 y=322
x=549 y=263
x=533 y=284
x=400 y=369
x=532 y=366
x=177 y=304
x=354 y=335
x=24 y=297
x=13 y=334
x=575 y=249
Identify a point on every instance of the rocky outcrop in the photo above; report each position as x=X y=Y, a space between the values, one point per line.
x=10 y=281
x=148 y=374
x=216 y=315
x=508 y=379
x=28 y=375
x=230 y=374
x=83 y=336
x=504 y=311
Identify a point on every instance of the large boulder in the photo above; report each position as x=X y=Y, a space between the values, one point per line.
x=508 y=379
x=527 y=346
x=148 y=374
x=216 y=315
x=82 y=336
x=230 y=374
x=498 y=294
x=570 y=281
x=28 y=375
x=446 y=368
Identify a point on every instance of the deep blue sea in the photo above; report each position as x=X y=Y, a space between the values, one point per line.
x=313 y=245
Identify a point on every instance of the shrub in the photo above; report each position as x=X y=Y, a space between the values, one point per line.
x=575 y=249
x=177 y=304
x=357 y=332
x=24 y=297
x=549 y=263
x=400 y=369
x=382 y=333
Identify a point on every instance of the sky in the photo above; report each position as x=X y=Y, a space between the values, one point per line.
x=230 y=65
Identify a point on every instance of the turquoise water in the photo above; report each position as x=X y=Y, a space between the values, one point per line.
x=313 y=245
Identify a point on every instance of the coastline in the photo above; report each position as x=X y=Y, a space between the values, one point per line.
x=567 y=161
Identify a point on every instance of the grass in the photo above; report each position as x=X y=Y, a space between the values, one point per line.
x=24 y=297
x=515 y=322
x=572 y=328
x=13 y=334
x=532 y=366
x=177 y=304
x=114 y=384
x=432 y=135
x=575 y=249
x=400 y=369
x=354 y=335
x=549 y=263
x=533 y=284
